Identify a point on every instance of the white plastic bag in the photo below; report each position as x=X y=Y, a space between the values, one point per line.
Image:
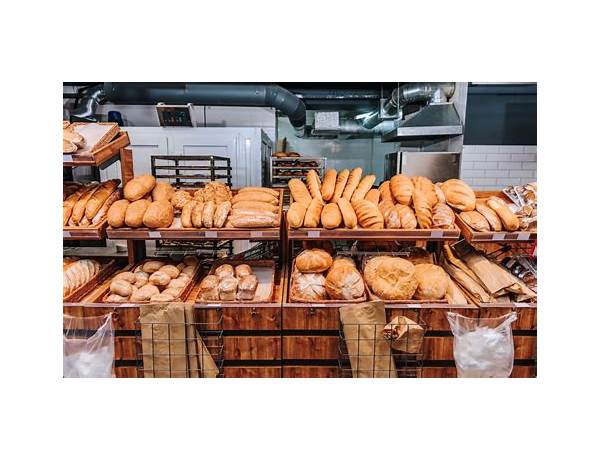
x=86 y=355
x=483 y=347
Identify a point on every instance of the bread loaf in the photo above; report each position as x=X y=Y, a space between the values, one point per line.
x=352 y=184
x=490 y=215
x=385 y=192
x=162 y=191
x=510 y=221
x=208 y=214
x=425 y=185
x=197 y=212
x=209 y=288
x=252 y=213
x=344 y=283
x=423 y=209
x=159 y=214
x=439 y=194
x=391 y=278
x=256 y=221
x=299 y=192
x=348 y=213
x=340 y=184
x=79 y=207
x=385 y=206
x=247 y=287
x=459 y=195
x=275 y=193
x=101 y=214
x=162 y=297
x=116 y=213
x=101 y=194
x=314 y=187
x=134 y=215
x=308 y=287
x=68 y=146
x=475 y=220
x=139 y=187
x=217 y=192
x=224 y=270
x=443 y=216
x=312 y=218
x=432 y=282
x=368 y=215
x=242 y=270
x=228 y=288
x=121 y=287
x=159 y=278
x=331 y=217
x=255 y=206
x=152 y=265
x=68 y=205
x=373 y=196
x=221 y=213
x=328 y=185
x=186 y=214
x=341 y=261
x=407 y=217
x=144 y=293
x=127 y=276
x=392 y=219
x=255 y=196
x=295 y=214
x=180 y=198
x=363 y=188
x=170 y=270
x=313 y=261
x=402 y=188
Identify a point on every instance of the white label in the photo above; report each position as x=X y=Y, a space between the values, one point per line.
x=412 y=305
x=210 y=234
x=66 y=234
x=67 y=157
x=314 y=234
x=497 y=236
x=317 y=304
x=437 y=233
x=213 y=304
x=256 y=234
x=128 y=305
x=523 y=236
x=521 y=304
x=154 y=234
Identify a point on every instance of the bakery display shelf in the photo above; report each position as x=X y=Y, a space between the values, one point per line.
x=369 y=234
x=106 y=270
x=92 y=232
x=494 y=237
x=100 y=156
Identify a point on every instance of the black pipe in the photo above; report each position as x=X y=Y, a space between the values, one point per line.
x=223 y=94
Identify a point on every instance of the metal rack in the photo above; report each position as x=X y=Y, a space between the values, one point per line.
x=191 y=170
x=281 y=170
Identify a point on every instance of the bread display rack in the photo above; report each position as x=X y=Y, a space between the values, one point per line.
x=283 y=169
x=103 y=155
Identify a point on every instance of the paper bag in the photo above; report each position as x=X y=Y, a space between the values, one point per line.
x=200 y=361
x=404 y=334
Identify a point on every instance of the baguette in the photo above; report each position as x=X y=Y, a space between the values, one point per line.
x=251 y=212
x=328 y=186
x=221 y=213
x=208 y=214
x=363 y=188
x=373 y=196
x=255 y=196
x=353 y=181
x=386 y=193
x=299 y=192
x=79 y=208
x=114 y=196
x=348 y=214
x=314 y=187
x=490 y=215
x=68 y=205
x=99 y=197
x=253 y=221
x=312 y=218
x=368 y=214
x=402 y=188
x=255 y=206
x=275 y=193
x=340 y=184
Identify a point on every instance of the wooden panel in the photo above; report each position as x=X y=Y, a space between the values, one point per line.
x=243 y=348
x=310 y=372
x=251 y=318
x=310 y=318
x=410 y=313
x=438 y=348
x=526 y=315
x=310 y=347
x=252 y=372
x=125 y=348
x=520 y=372
x=436 y=320
x=438 y=372
x=525 y=347
x=126 y=372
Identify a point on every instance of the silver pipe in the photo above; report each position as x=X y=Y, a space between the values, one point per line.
x=88 y=104
x=355 y=127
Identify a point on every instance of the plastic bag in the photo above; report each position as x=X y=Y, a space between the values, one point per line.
x=483 y=347
x=88 y=346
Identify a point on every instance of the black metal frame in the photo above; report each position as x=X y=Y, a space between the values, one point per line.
x=210 y=163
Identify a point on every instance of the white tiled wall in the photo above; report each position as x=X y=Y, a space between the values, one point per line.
x=490 y=167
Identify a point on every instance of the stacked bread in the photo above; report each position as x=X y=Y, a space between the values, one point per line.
x=229 y=283
x=318 y=276
x=77 y=272
x=153 y=280
x=347 y=200
x=86 y=205
x=492 y=214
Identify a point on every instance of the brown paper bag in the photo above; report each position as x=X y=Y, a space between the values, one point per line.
x=370 y=354
x=404 y=334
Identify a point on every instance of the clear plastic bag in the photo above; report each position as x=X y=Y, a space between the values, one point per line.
x=88 y=346
x=483 y=347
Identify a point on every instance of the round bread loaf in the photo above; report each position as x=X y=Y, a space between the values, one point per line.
x=159 y=214
x=313 y=261
x=308 y=287
x=162 y=191
x=342 y=261
x=391 y=278
x=459 y=195
x=432 y=282
x=331 y=217
x=139 y=187
x=343 y=282
x=116 y=213
x=134 y=215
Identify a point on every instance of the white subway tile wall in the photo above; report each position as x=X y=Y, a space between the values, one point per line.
x=491 y=167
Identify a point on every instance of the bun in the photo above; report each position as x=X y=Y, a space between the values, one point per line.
x=208 y=213
x=152 y=265
x=295 y=215
x=391 y=278
x=312 y=218
x=186 y=214
x=368 y=215
x=255 y=196
x=422 y=209
x=243 y=270
x=331 y=216
x=138 y=187
x=407 y=217
x=328 y=185
x=373 y=196
x=134 y=215
x=509 y=219
x=116 y=213
x=432 y=282
x=101 y=194
x=144 y=293
x=121 y=287
x=402 y=188
x=490 y=215
x=385 y=192
x=340 y=184
x=162 y=191
x=348 y=213
x=313 y=261
x=363 y=188
x=308 y=287
x=180 y=198
x=159 y=215
x=459 y=195
x=197 y=211
x=344 y=283
x=255 y=206
x=314 y=186
x=443 y=216
x=159 y=278
x=352 y=184
x=299 y=192
x=475 y=220
x=221 y=214
x=170 y=270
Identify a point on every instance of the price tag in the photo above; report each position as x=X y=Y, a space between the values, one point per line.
x=413 y=305
x=128 y=305
x=213 y=304
x=521 y=304
x=437 y=233
x=210 y=234
x=498 y=236
x=66 y=234
x=67 y=157
x=523 y=236
x=317 y=304
x=154 y=234
x=256 y=234
x=314 y=234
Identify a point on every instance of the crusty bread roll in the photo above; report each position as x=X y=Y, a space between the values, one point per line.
x=510 y=221
x=295 y=215
x=180 y=198
x=255 y=206
x=209 y=288
x=340 y=184
x=314 y=187
x=116 y=298
x=475 y=220
x=159 y=214
x=312 y=218
x=228 y=288
x=152 y=265
x=134 y=215
x=402 y=188
x=368 y=215
x=391 y=278
x=178 y=283
x=432 y=282
x=186 y=214
x=342 y=261
x=159 y=278
x=490 y=215
x=373 y=196
x=385 y=192
x=116 y=213
x=141 y=278
x=243 y=270
x=139 y=187
x=208 y=214
x=271 y=191
x=197 y=212
x=100 y=195
x=308 y=287
x=121 y=287
x=352 y=184
x=255 y=196
x=344 y=283
x=331 y=216
x=328 y=185
x=363 y=188
x=217 y=192
x=313 y=261
x=459 y=195
x=127 y=276
x=101 y=214
x=170 y=270
x=299 y=191
x=423 y=209
x=443 y=216
x=221 y=213
x=146 y=292
x=348 y=213
x=407 y=217
x=162 y=191
x=247 y=287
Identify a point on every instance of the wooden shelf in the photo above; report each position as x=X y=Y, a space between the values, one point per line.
x=366 y=234
x=96 y=232
x=263 y=234
x=494 y=237
x=103 y=155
